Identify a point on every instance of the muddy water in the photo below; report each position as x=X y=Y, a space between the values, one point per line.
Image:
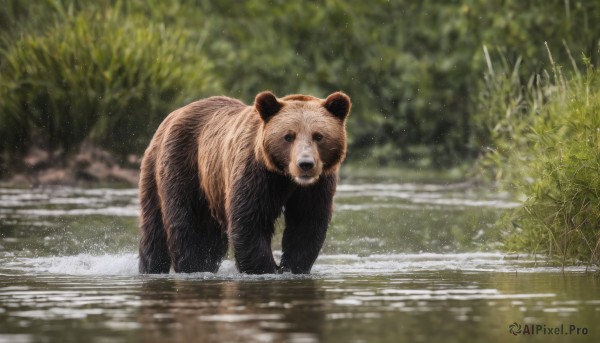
x=402 y=262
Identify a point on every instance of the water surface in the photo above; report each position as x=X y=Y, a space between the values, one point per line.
x=402 y=262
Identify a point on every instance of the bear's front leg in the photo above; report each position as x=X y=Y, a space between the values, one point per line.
x=252 y=246
x=255 y=203
x=307 y=216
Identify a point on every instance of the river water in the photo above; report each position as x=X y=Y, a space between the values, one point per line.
x=402 y=262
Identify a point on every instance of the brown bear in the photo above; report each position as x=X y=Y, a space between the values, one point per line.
x=218 y=171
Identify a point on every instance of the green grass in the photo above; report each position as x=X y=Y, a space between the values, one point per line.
x=93 y=76
x=562 y=210
x=545 y=146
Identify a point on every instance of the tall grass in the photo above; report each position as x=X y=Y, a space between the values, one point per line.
x=562 y=213
x=97 y=77
x=545 y=145
x=507 y=105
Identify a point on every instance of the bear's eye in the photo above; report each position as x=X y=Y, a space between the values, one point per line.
x=317 y=137
x=289 y=137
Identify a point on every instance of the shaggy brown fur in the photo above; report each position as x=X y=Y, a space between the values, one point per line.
x=218 y=171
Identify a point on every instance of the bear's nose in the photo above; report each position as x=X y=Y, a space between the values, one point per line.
x=306 y=164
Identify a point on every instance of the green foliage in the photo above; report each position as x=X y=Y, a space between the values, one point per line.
x=411 y=67
x=562 y=211
x=373 y=51
x=507 y=106
x=96 y=76
x=546 y=139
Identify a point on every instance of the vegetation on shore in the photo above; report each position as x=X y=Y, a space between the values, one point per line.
x=547 y=149
x=98 y=78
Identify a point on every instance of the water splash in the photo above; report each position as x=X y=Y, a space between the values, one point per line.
x=81 y=264
x=326 y=266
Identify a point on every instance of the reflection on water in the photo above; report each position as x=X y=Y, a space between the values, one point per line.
x=410 y=262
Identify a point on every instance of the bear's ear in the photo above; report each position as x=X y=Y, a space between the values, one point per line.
x=267 y=105
x=338 y=104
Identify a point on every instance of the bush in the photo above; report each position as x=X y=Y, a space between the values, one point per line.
x=561 y=215
x=506 y=107
x=97 y=77
x=544 y=143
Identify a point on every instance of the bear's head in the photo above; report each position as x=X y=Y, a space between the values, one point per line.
x=302 y=136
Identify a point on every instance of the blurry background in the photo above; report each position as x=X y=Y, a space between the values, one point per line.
x=107 y=72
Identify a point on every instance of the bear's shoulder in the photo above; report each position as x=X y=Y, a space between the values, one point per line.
x=209 y=107
x=220 y=101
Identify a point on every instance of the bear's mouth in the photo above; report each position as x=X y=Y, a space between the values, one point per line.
x=305 y=180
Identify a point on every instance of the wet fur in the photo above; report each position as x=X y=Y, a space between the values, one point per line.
x=217 y=172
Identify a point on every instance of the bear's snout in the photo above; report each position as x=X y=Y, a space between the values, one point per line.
x=306 y=164
x=306 y=167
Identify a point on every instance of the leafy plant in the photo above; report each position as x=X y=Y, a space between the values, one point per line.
x=562 y=210
x=508 y=103
x=96 y=76
x=544 y=140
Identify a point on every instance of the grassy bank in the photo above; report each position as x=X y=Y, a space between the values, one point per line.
x=545 y=145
